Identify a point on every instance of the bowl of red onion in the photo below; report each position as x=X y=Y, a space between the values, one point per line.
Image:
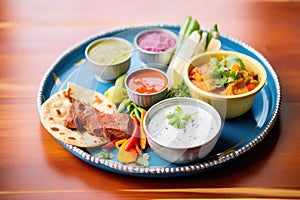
x=156 y=47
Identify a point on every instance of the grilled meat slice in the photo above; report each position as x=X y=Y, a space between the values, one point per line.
x=86 y=117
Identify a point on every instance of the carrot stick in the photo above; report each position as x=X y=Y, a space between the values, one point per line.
x=138 y=150
x=143 y=138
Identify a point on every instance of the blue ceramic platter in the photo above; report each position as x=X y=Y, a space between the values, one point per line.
x=238 y=135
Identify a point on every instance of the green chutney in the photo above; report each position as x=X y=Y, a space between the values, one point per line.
x=110 y=51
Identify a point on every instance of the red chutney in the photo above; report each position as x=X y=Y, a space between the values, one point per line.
x=147 y=83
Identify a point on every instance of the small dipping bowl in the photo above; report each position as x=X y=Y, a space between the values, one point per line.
x=156 y=47
x=184 y=145
x=146 y=86
x=109 y=57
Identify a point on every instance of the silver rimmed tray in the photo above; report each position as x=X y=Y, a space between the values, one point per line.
x=238 y=135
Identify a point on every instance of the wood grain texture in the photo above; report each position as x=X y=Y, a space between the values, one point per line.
x=34 y=33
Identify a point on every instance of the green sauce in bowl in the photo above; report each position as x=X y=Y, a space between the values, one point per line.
x=110 y=51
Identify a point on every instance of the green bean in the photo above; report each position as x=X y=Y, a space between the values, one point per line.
x=137 y=114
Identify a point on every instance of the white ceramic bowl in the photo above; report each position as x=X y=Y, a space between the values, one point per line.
x=151 y=58
x=109 y=57
x=187 y=144
x=229 y=106
x=149 y=76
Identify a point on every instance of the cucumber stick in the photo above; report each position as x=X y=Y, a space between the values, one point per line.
x=194 y=25
x=182 y=57
x=191 y=41
x=202 y=43
x=189 y=25
x=188 y=47
x=212 y=33
x=183 y=29
x=214 y=45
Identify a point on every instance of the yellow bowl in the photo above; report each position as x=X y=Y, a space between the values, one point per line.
x=229 y=106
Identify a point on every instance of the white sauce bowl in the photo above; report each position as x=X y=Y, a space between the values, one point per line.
x=186 y=145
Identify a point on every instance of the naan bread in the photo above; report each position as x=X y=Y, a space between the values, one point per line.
x=54 y=111
x=90 y=97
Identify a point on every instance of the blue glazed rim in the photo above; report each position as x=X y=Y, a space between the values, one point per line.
x=218 y=160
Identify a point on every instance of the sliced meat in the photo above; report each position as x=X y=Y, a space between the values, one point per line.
x=111 y=126
x=70 y=119
x=116 y=126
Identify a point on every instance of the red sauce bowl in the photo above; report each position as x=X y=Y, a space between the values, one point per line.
x=146 y=86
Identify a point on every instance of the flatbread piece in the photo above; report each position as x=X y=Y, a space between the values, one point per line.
x=54 y=111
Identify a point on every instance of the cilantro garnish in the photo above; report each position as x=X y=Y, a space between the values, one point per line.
x=231 y=60
x=222 y=72
x=143 y=160
x=178 y=119
x=105 y=154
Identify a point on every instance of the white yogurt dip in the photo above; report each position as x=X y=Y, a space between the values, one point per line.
x=201 y=129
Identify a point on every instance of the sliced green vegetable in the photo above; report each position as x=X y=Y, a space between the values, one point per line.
x=203 y=41
x=215 y=31
x=186 y=30
x=117 y=93
x=194 y=25
x=183 y=29
x=123 y=105
x=199 y=48
x=209 y=36
x=181 y=58
x=120 y=81
x=191 y=43
x=214 y=45
x=134 y=110
x=212 y=34
x=185 y=25
x=214 y=28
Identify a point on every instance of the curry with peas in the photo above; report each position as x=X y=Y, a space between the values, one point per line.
x=227 y=76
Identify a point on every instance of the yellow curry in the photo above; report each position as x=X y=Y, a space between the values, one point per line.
x=227 y=76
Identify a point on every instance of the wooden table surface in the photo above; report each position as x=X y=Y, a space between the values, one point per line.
x=34 y=33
